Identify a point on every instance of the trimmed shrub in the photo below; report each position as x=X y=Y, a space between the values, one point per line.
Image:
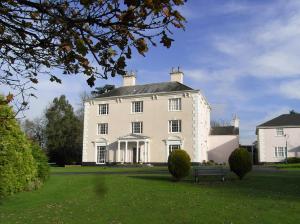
x=293 y=160
x=42 y=162
x=179 y=164
x=240 y=162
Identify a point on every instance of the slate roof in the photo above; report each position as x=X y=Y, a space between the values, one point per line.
x=224 y=130
x=147 y=88
x=282 y=120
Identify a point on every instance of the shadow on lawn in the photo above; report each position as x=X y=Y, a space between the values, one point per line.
x=100 y=187
x=279 y=186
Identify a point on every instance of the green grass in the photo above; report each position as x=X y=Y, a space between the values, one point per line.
x=154 y=198
x=96 y=169
x=291 y=166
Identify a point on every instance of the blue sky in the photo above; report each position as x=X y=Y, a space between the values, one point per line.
x=243 y=55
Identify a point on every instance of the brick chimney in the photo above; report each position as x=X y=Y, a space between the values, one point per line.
x=176 y=75
x=129 y=79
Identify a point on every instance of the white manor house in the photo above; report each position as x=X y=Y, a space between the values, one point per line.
x=144 y=123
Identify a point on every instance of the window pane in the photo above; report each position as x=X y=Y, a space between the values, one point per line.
x=137 y=127
x=103 y=128
x=279 y=131
x=175 y=126
x=137 y=106
x=103 y=108
x=175 y=104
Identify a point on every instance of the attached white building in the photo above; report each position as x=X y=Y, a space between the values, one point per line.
x=279 y=138
x=222 y=141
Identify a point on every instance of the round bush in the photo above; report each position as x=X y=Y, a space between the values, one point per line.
x=240 y=162
x=179 y=164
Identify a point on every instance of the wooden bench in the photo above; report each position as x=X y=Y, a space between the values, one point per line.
x=209 y=171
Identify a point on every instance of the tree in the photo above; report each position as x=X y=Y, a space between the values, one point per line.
x=63 y=131
x=18 y=169
x=83 y=96
x=103 y=89
x=35 y=130
x=92 y=37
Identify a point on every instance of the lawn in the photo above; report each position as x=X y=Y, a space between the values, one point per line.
x=291 y=166
x=263 y=197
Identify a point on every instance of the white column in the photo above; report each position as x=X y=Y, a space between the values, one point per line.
x=148 y=152
x=167 y=151
x=118 y=153
x=137 y=151
x=144 y=152
x=126 y=147
x=107 y=154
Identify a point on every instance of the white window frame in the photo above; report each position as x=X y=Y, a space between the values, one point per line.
x=133 y=127
x=179 y=128
x=101 y=147
x=103 y=109
x=279 y=132
x=102 y=129
x=174 y=147
x=137 y=106
x=175 y=104
x=280 y=152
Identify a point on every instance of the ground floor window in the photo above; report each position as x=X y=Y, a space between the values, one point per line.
x=280 y=152
x=173 y=147
x=101 y=154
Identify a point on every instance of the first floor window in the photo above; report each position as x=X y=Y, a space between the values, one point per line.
x=137 y=127
x=103 y=108
x=280 y=152
x=174 y=126
x=175 y=104
x=103 y=129
x=137 y=107
x=173 y=147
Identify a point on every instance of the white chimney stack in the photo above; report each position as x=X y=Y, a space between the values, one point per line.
x=176 y=75
x=129 y=79
x=235 y=121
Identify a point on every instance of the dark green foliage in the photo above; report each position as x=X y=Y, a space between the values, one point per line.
x=240 y=162
x=293 y=160
x=41 y=159
x=179 y=164
x=101 y=90
x=18 y=169
x=63 y=133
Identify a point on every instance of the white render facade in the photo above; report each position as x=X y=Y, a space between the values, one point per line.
x=278 y=139
x=144 y=126
x=274 y=143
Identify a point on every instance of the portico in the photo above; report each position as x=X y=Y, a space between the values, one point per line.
x=133 y=148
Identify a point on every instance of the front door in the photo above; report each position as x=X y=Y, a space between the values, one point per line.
x=134 y=154
x=101 y=154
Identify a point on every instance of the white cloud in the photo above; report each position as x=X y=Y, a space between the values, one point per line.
x=268 y=49
x=290 y=89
